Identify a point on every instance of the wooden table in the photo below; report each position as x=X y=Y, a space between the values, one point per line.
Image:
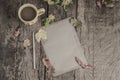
x=99 y=36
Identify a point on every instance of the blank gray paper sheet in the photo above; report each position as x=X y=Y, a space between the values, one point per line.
x=62 y=46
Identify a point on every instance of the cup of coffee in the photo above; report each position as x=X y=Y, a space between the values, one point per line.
x=28 y=13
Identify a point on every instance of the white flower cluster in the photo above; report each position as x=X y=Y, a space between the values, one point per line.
x=41 y=35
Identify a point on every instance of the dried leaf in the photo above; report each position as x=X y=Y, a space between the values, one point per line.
x=16 y=34
x=99 y=4
x=49 y=66
x=41 y=35
x=26 y=43
x=75 y=22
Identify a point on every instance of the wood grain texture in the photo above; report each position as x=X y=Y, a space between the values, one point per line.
x=99 y=36
x=107 y=46
x=16 y=61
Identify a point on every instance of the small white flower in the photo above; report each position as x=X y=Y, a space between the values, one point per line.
x=66 y=2
x=26 y=43
x=51 y=17
x=41 y=35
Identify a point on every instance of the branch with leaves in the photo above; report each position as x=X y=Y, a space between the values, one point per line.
x=63 y=3
x=50 y=19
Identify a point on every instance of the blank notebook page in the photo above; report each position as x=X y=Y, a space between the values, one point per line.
x=62 y=46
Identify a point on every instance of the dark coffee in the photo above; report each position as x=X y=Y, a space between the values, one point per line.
x=28 y=14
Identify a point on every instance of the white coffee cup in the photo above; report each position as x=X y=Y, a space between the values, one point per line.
x=32 y=13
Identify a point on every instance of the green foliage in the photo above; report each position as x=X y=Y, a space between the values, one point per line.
x=75 y=22
x=63 y=3
x=50 y=19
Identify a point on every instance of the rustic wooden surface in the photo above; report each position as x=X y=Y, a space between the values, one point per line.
x=99 y=36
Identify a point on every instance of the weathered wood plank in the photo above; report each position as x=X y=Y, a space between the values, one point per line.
x=107 y=49
x=60 y=14
x=86 y=35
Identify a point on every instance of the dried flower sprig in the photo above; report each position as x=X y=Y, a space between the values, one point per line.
x=108 y=3
x=41 y=35
x=84 y=66
x=66 y=3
